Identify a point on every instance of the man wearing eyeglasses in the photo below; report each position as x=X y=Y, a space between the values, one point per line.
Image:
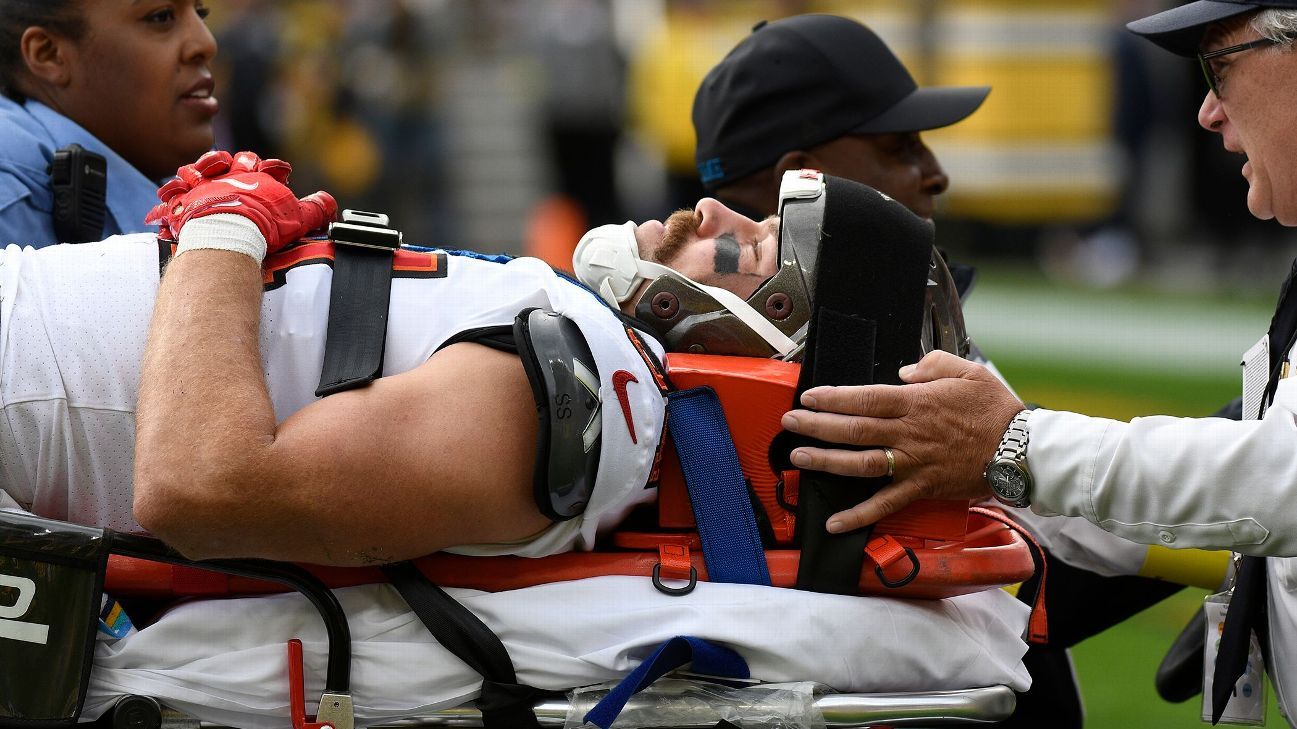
x=1207 y=483
x=1247 y=60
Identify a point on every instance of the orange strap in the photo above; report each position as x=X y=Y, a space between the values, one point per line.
x=884 y=550
x=792 y=486
x=675 y=561
x=1038 y=625
x=887 y=550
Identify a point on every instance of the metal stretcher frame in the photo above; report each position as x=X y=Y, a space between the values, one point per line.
x=921 y=708
x=840 y=711
x=990 y=555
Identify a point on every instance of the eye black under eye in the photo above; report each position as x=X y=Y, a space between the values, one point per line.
x=727 y=255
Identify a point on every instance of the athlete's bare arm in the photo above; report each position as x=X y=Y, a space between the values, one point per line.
x=438 y=456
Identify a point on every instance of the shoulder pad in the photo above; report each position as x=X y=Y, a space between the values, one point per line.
x=565 y=384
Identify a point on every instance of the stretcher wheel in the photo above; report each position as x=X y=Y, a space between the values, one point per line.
x=134 y=712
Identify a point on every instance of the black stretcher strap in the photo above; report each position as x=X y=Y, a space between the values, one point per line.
x=358 y=302
x=869 y=293
x=353 y=357
x=504 y=703
x=832 y=562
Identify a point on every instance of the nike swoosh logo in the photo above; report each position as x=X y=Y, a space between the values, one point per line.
x=249 y=186
x=620 y=379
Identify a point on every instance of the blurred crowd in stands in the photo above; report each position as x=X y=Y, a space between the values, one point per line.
x=513 y=125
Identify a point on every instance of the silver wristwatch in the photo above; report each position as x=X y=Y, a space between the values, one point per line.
x=1007 y=471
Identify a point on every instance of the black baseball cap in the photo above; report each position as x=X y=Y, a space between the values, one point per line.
x=802 y=81
x=1180 y=29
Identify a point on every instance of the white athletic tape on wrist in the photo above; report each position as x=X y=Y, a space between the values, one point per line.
x=224 y=232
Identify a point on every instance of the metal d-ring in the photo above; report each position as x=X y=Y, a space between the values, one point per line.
x=657 y=581
x=878 y=570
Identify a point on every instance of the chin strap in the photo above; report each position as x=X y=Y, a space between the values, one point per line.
x=607 y=260
x=746 y=314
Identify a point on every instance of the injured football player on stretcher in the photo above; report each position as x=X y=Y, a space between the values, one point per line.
x=202 y=386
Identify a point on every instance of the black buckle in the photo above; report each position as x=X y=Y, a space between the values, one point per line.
x=358 y=300
x=365 y=230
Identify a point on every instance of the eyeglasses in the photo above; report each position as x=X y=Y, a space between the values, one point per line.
x=1213 y=79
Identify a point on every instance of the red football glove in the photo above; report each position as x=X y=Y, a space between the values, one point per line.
x=243 y=185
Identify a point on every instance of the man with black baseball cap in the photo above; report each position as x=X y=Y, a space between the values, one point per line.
x=1180 y=30
x=1204 y=483
x=825 y=92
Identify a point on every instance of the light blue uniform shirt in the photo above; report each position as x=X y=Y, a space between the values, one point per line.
x=29 y=135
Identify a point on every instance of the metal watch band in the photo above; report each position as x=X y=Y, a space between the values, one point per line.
x=1013 y=446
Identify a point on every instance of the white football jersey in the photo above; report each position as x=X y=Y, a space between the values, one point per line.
x=73 y=325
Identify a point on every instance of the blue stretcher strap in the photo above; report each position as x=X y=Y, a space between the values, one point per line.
x=707 y=658
x=722 y=507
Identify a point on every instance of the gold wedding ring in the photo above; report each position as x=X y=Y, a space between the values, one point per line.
x=891 y=462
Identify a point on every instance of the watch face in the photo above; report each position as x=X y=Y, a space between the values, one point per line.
x=1007 y=482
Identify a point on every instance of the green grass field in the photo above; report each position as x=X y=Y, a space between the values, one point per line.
x=1116 y=668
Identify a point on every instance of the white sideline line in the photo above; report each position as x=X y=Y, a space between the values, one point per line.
x=1203 y=338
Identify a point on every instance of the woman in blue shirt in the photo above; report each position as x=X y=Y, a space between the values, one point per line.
x=127 y=79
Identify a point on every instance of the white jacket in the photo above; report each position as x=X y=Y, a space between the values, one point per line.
x=1205 y=483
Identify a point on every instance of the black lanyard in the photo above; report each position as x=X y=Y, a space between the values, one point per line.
x=1247 y=609
x=1282 y=335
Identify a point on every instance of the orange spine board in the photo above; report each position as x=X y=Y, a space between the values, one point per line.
x=992 y=556
x=755 y=394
